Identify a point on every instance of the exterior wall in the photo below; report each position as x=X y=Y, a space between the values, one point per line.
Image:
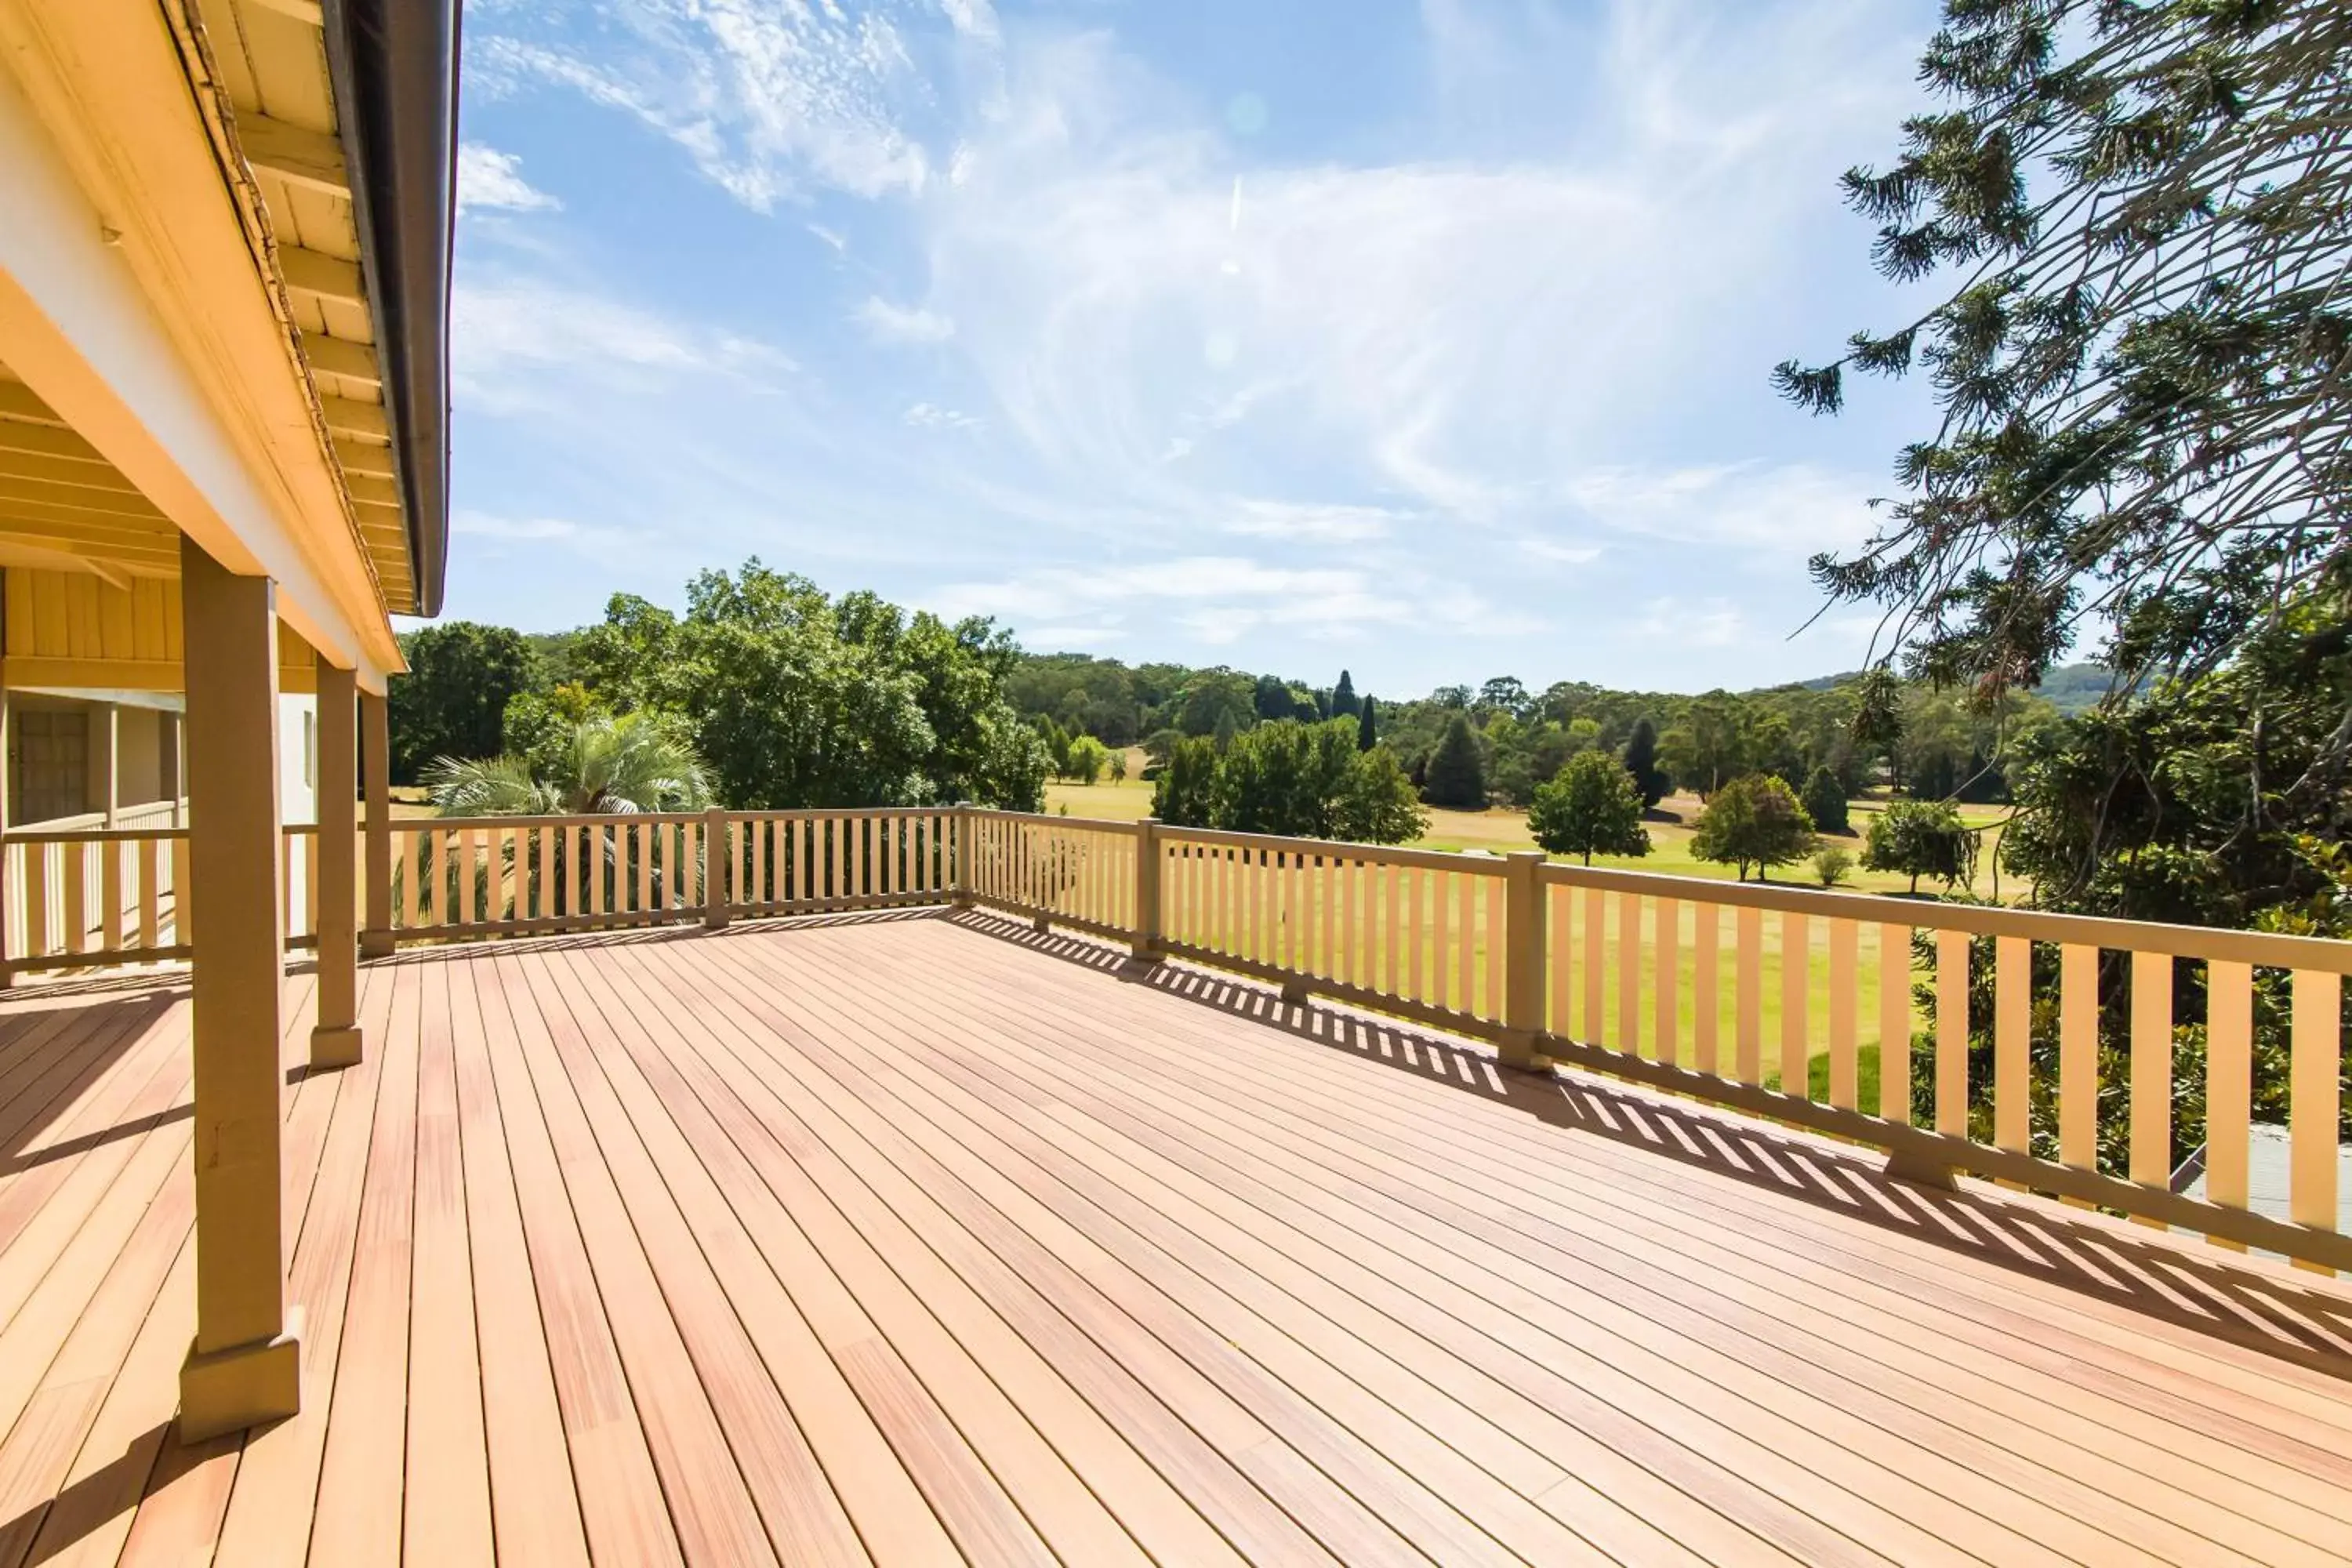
x=139 y=757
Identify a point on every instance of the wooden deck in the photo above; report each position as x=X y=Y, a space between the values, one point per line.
x=926 y=1240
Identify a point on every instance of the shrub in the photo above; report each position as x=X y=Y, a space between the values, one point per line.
x=1832 y=867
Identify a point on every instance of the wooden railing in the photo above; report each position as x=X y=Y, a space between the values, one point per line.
x=1774 y=1000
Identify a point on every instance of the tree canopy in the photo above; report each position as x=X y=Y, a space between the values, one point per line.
x=1456 y=776
x=1304 y=781
x=1754 y=820
x=453 y=700
x=1590 y=808
x=2139 y=208
x=1922 y=838
x=795 y=699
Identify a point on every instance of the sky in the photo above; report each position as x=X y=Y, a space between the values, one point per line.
x=1430 y=341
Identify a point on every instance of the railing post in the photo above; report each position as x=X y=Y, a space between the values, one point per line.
x=714 y=870
x=1145 y=921
x=1523 y=959
x=960 y=866
x=375 y=762
x=335 y=1041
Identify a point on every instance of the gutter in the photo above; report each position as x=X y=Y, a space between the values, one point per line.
x=394 y=65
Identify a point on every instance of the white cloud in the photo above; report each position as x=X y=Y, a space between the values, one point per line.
x=767 y=100
x=489 y=178
x=1304 y=522
x=1562 y=554
x=889 y=323
x=1789 y=511
x=931 y=416
x=1705 y=623
x=519 y=341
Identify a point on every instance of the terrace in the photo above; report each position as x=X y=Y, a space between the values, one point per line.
x=879 y=1209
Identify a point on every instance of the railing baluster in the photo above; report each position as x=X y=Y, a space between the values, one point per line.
x=2078 y=1056
x=1497 y=945
x=1894 y=1022
x=1796 y=991
x=1749 y=1004
x=2013 y=1068
x=1845 y=1085
x=1629 y=973
x=1952 y=1033
x=1706 y=972
x=1594 y=905
x=1560 y=898
x=2314 y=1115
x=2229 y=1084
x=148 y=916
x=2151 y=1068
x=75 y=866
x=1666 y=917
x=109 y=897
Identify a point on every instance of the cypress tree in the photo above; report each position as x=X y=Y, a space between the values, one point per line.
x=1642 y=762
x=1367 y=731
x=1343 y=697
x=1456 y=776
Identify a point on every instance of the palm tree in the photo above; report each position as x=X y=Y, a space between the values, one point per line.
x=605 y=767
x=638 y=762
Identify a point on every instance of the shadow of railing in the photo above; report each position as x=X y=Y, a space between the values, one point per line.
x=51 y=1053
x=2256 y=1306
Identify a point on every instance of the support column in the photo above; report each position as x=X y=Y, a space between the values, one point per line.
x=335 y=1040
x=246 y=1365
x=375 y=736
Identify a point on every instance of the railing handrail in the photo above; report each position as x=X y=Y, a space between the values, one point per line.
x=1470 y=862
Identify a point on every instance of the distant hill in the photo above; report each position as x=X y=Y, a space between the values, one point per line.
x=2070 y=687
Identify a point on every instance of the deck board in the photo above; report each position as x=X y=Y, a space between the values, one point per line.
x=914 y=1240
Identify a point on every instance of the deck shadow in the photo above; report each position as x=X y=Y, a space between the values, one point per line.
x=49 y=1056
x=2026 y=1234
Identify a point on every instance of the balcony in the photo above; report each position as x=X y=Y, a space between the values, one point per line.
x=835 y=1187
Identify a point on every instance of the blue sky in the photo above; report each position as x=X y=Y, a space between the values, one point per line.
x=1429 y=340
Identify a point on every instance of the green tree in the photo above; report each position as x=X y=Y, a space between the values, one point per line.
x=1379 y=805
x=1754 y=820
x=1084 y=758
x=2140 y=368
x=1189 y=791
x=1642 y=762
x=1456 y=774
x=1824 y=802
x=1343 y=697
x=798 y=700
x=1591 y=808
x=1923 y=839
x=1367 y=725
x=453 y=700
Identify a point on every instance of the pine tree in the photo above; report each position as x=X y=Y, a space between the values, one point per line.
x=1642 y=762
x=1456 y=776
x=1824 y=802
x=1367 y=728
x=1343 y=698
